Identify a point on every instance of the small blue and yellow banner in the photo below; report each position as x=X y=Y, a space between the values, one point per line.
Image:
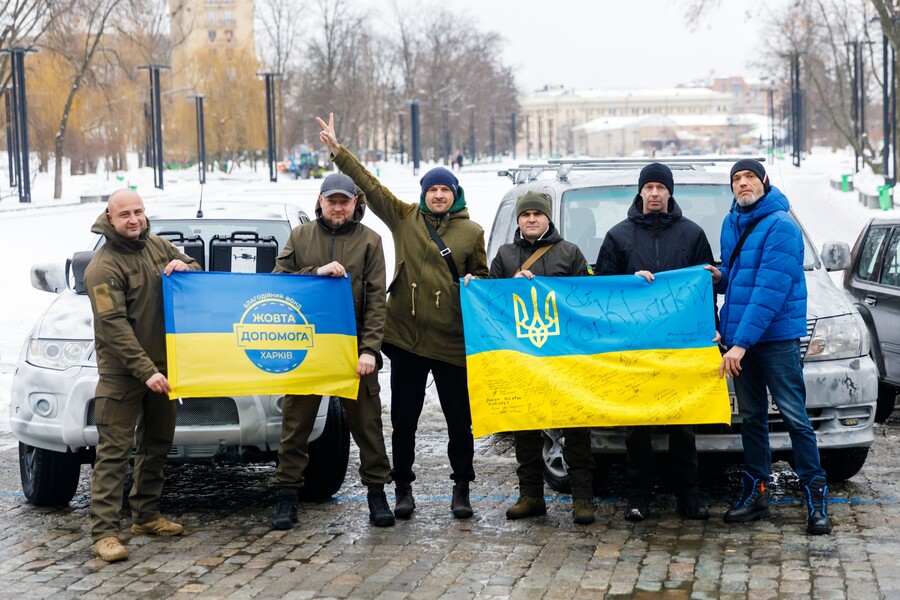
x=557 y=352
x=232 y=334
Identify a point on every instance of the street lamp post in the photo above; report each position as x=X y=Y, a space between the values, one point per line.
x=471 y=108
x=512 y=134
x=19 y=129
x=270 y=122
x=201 y=136
x=400 y=114
x=414 y=133
x=156 y=146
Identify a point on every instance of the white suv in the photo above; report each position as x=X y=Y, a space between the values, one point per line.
x=51 y=411
x=590 y=196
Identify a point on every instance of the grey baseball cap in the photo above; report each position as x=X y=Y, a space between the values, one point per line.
x=338 y=183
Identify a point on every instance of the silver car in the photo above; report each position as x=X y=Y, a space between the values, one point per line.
x=590 y=196
x=51 y=411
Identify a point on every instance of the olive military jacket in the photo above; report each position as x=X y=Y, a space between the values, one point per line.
x=423 y=310
x=124 y=283
x=359 y=250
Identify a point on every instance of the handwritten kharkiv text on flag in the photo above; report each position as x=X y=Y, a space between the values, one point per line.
x=237 y=333
x=555 y=352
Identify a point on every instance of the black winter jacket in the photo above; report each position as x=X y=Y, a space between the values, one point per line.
x=653 y=242
x=564 y=259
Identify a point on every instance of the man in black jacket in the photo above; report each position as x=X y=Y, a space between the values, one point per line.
x=657 y=237
x=538 y=249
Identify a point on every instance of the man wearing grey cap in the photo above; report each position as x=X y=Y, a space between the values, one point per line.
x=336 y=244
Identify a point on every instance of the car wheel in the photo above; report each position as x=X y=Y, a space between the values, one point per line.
x=887 y=400
x=842 y=464
x=556 y=473
x=328 y=456
x=48 y=478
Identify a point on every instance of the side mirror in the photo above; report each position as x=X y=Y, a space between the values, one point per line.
x=835 y=256
x=48 y=277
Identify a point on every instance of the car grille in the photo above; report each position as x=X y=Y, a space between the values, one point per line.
x=804 y=341
x=776 y=424
x=203 y=412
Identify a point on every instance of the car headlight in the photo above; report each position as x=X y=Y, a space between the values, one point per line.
x=837 y=337
x=58 y=354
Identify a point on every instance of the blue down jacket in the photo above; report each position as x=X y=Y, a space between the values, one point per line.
x=765 y=290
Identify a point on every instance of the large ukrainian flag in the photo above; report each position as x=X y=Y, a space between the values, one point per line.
x=556 y=352
x=238 y=333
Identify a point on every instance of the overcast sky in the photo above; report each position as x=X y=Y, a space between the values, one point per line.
x=611 y=44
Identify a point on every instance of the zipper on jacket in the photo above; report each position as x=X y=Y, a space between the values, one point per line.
x=331 y=250
x=413 y=293
x=437 y=299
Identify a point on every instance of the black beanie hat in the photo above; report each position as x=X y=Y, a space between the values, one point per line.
x=749 y=164
x=440 y=176
x=657 y=173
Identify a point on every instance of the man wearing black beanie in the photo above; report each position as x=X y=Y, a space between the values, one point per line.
x=657 y=237
x=763 y=318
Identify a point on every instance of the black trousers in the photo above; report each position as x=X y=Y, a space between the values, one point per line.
x=409 y=375
x=641 y=464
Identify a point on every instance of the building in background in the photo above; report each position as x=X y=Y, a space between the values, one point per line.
x=210 y=34
x=685 y=120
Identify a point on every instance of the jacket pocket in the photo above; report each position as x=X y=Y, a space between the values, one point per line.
x=397 y=274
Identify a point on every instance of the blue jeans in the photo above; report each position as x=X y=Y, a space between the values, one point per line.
x=778 y=366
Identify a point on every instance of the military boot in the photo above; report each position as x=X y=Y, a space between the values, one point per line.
x=459 y=505
x=817 y=522
x=583 y=511
x=405 y=504
x=285 y=509
x=379 y=511
x=526 y=506
x=753 y=503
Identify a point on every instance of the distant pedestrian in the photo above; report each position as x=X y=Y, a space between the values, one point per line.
x=131 y=404
x=459 y=160
x=657 y=237
x=762 y=321
x=337 y=244
x=435 y=244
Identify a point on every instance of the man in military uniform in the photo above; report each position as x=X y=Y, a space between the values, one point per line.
x=131 y=408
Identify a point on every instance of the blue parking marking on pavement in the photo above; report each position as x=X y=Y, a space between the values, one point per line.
x=12 y=495
x=567 y=500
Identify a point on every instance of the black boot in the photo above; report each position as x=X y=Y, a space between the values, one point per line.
x=285 y=509
x=379 y=512
x=817 y=523
x=405 y=504
x=460 y=504
x=691 y=506
x=753 y=503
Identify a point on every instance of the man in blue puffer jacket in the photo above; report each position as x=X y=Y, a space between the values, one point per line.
x=762 y=321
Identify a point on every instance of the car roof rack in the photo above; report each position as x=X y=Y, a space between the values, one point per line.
x=563 y=166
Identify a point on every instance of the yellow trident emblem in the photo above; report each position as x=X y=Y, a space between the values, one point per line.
x=538 y=330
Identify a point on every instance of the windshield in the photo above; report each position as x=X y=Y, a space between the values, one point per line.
x=588 y=213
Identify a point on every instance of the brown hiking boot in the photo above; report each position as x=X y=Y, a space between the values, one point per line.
x=583 y=511
x=526 y=506
x=158 y=526
x=110 y=549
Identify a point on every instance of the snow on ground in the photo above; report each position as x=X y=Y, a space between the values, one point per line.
x=50 y=230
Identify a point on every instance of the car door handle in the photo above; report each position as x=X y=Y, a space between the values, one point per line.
x=870 y=300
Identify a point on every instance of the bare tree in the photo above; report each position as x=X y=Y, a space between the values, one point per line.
x=23 y=22
x=78 y=47
x=281 y=25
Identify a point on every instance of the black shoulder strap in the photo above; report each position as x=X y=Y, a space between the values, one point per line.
x=445 y=251
x=740 y=243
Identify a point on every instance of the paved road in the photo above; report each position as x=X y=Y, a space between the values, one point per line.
x=229 y=551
